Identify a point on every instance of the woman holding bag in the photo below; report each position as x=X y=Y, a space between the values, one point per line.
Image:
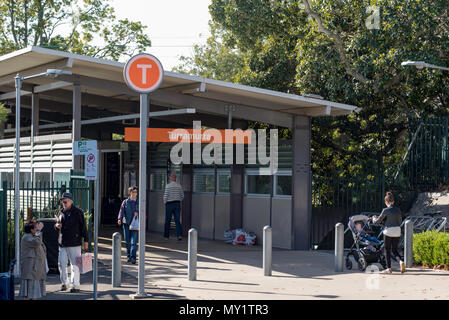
x=33 y=271
x=128 y=210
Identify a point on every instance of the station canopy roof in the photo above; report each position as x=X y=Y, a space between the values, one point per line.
x=103 y=88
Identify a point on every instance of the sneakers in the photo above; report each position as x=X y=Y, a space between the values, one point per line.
x=387 y=271
x=133 y=261
x=74 y=290
x=402 y=263
x=63 y=287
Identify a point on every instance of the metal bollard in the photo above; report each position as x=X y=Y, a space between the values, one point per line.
x=408 y=244
x=339 y=246
x=116 y=260
x=267 y=250
x=192 y=258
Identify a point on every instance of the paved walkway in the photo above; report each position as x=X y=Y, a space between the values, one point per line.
x=235 y=273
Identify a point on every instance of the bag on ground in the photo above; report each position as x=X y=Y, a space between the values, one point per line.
x=240 y=237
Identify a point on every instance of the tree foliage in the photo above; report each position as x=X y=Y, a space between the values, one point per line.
x=213 y=60
x=90 y=28
x=329 y=48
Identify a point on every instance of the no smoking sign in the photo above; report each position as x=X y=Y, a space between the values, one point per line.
x=91 y=158
x=91 y=165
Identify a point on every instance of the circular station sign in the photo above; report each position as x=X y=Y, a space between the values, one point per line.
x=143 y=73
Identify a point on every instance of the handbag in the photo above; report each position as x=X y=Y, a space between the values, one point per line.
x=393 y=232
x=134 y=226
x=84 y=263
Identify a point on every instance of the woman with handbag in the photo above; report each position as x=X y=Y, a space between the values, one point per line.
x=33 y=267
x=129 y=211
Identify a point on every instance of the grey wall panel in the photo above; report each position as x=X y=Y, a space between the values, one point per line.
x=281 y=220
x=256 y=215
x=203 y=214
x=222 y=215
x=302 y=184
x=156 y=215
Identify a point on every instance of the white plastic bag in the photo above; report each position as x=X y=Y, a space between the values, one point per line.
x=229 y=235
x=134 y=226
x=244 y=237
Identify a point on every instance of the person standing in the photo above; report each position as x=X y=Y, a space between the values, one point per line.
x=33 y=254
x=128 y=210
x=391 y=216
x=72 y=226
x=173 y=196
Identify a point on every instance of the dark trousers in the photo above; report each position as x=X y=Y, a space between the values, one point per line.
x=391 y=245
x=172 y=208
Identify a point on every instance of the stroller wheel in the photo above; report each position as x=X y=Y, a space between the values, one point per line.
x=362 y=264
x=348 y=264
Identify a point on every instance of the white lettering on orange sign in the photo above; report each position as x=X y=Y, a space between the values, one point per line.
x=144 y=68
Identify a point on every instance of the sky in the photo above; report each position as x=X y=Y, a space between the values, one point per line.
x=174 y=26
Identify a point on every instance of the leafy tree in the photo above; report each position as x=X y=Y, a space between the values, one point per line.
x=39 y=23
x=329 y=48
x=213 y=60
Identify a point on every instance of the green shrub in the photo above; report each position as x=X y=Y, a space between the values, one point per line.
x=431 y=248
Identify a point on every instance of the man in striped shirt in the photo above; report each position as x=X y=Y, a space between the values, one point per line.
x=173 y=196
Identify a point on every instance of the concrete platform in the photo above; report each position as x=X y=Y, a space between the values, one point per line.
x=227 y=272
x=232 y=272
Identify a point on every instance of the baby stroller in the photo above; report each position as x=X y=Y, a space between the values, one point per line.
x=366 y=248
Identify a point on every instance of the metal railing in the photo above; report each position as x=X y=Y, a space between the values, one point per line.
x=335 y=199
x=37 y=200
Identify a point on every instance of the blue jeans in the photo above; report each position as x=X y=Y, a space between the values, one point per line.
x=131 y=242
x=175 y=209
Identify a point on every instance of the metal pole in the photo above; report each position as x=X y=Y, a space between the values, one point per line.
x=192 y=255
x=408 y=244
x=339 y=246
x=267 y=250
x=116 y=260
x=19 y=80
x=96 y=213
x=144 y=106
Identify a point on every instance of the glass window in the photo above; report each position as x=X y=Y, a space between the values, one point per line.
x=8 y=177
x=283 y=185
x=61 y=178
x=224 y=182
x=25 y=177
x=203 y=182
x=158 y=181
x=42 y=178
x=256 y=184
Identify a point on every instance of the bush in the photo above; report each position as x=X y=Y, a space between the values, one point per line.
x=431 y=248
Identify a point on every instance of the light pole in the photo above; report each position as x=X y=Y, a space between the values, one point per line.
x=422 y=64
x=19 y=79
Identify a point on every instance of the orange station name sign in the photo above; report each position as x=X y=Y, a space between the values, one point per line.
x=227 y=136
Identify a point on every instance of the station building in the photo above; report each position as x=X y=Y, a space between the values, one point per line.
x=94 y=103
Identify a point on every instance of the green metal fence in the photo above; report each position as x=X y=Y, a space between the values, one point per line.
x=424 y=167
x=427 y=162
x=335 y=199
x=37 y=200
